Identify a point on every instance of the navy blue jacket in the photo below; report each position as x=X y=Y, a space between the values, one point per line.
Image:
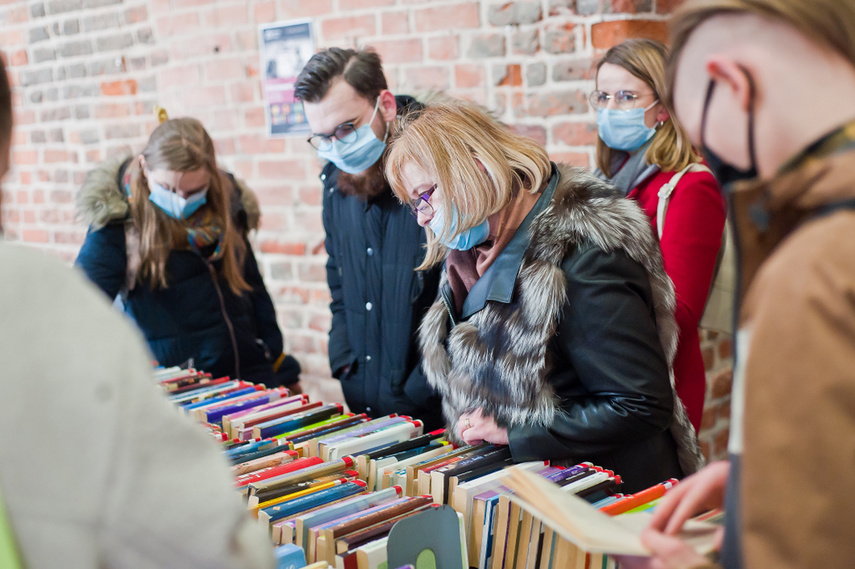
x=378 y=300
x=197 y=316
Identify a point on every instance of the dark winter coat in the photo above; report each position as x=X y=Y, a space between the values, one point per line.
x=197 y=316
x=378 y=300
x=567 y=339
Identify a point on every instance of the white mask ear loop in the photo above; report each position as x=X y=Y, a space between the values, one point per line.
x=651 y=105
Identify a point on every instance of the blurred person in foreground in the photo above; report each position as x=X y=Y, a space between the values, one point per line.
x=98 y=469
x=765 y=89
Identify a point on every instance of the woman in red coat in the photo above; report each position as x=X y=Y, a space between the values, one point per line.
x=641 y=149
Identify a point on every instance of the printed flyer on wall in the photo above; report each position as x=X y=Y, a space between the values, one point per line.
x=284 y=47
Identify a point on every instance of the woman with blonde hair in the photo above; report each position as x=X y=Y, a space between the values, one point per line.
x=553 y=330
x=647 y=155
x=168 y=234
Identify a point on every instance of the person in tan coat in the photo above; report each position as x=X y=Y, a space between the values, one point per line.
x=765 y=88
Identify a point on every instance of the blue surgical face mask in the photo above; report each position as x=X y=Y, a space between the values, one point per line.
x=463 y=241
x=359 y=155
x=174 y=205
x=624 y=130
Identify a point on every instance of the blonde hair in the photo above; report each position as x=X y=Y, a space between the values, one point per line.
x=670 y=148
x=476 y=162
x=827 y=22
x=182 y=145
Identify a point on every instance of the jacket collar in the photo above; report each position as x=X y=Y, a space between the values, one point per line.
x=497 y=282
x=815 y=181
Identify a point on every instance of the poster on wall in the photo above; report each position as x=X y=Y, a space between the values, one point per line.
x=285 y=47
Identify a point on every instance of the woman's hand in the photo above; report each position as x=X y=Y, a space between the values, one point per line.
x=475 y=428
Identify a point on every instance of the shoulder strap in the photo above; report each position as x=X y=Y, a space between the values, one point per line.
x=666 y=190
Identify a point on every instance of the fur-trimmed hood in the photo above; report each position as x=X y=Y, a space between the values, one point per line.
x=101 y=200
x=583 y=211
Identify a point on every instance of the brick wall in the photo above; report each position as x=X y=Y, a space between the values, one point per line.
x=87 y=73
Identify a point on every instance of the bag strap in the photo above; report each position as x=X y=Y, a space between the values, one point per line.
x=667 y=189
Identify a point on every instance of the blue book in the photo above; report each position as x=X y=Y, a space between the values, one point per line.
x=218 y=398
x=281 y=425
x=314 y=500
x=289 y=556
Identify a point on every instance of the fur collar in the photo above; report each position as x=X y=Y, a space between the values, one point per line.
x=511 y=384
x=101 y=201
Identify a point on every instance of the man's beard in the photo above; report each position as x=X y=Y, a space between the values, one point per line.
x=365 y=185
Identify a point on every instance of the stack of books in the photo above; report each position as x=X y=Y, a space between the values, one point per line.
x=328 y=486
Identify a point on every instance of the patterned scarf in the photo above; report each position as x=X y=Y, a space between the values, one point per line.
x=202 y=231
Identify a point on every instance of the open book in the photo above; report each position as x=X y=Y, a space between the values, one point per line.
x=580 y=523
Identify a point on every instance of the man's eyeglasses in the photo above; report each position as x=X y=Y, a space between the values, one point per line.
x=624 y=99
x=345 y=132
x=422 y=204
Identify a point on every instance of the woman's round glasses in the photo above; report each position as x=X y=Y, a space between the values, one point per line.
x=623 y=100
x=422 y=204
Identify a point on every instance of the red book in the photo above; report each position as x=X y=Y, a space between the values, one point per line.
x=298 y=464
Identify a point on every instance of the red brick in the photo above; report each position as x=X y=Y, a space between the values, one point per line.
x=722 y=384
x=203 y=46
x=190 y=3
x=224 y=146
x=242 y=92
x=23 y=117
x=312 y=272
x=349 y=27
x=260 y=144
x=16 y=15
x=35 y=235
x=320 y=322
x=205 y=97
x=581 y=159
x=719 y=449
x=555 y=103
x=55 y=156
x=444 y=48
x=18 y=57
x=281 y=170
x=176 y=24
x=254 y=117
x=511 y=78
x=293 y=295
x=305 y=8
x=468 y=75
x=179 y=76
x=23 y=197
x=534 y=132
x=116 y=88
x=310 y=195
x=395 y=23
x=668 y=6
x=308 y=220
x=709 y=358
x=399 y=51
x=226 y=69
x=70 y=237
x=725 y=348
x=606 y=34
x=709 y=419
x=440 y=18
x=575 y=133
x=348 y=5
x=61 y=196
x=264 y=12
x=273 y=196
x=428 y=78
x=109 y=110
x=227 y=16
x=282 y=248
x=21 y=157
x=136 y=15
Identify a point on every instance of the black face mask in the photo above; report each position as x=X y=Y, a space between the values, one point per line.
x=726 y=173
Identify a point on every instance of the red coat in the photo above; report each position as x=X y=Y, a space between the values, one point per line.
x=691 y=237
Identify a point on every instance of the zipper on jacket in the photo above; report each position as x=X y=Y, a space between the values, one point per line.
x=225 y=317
x=446 y=300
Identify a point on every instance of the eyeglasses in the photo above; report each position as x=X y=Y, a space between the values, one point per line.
x=345 y=132
x=624 y=99
x=421 y=203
